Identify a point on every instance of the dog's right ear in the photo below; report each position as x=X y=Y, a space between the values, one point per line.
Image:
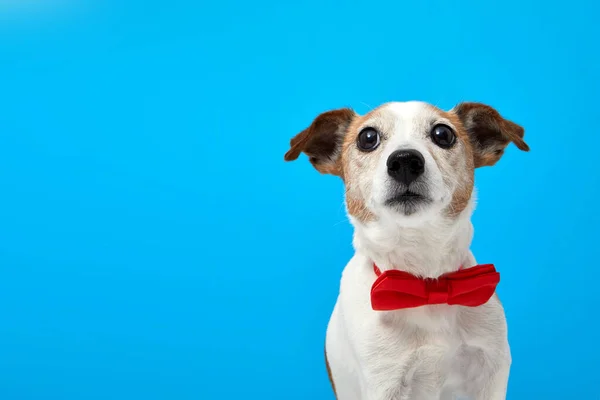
x=489 y=132
x=322 y=141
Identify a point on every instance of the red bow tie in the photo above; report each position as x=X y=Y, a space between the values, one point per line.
x=471 y=287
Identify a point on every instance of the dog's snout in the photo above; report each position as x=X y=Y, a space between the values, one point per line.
x=405 y=165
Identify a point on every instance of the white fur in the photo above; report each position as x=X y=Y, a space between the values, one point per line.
x=431 y=352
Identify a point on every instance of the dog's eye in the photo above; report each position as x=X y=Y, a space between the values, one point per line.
x=368 y=139
x=443 y=136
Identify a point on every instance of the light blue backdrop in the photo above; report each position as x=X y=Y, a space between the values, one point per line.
x=154 y=245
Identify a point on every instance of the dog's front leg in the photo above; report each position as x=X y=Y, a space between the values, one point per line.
x=495 y=387
x=404 y=394
x=416 y=377
x=386 y=386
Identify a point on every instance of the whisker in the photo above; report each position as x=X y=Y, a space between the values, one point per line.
x=367 y=105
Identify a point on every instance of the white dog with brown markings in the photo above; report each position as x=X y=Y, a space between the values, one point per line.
x=415 y=318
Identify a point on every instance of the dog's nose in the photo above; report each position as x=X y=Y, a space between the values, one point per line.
x=406 y=165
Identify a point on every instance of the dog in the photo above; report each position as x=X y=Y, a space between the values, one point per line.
x=416 y=317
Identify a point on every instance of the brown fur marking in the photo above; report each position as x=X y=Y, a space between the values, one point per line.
x=358 y=209
x=325 y=142
x=329 y=374
x=462 y=194
x=354 y=200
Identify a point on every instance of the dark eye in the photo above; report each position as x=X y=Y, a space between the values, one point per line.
x=368 y=139
x=443 y=136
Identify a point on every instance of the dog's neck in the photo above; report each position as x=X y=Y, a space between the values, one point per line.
x=428 y=250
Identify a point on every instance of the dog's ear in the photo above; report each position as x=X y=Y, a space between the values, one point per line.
x=322 y=141
x=489 y=132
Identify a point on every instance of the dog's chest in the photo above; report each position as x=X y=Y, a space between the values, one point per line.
x=421 y=365
x=416 y=363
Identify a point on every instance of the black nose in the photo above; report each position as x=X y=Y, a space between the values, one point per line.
x=405 y=165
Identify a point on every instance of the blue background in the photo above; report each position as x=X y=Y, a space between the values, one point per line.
x=153 y=243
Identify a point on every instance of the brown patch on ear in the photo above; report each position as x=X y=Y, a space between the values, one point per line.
x=322 y=141
x=329 y=374
x=489 y=133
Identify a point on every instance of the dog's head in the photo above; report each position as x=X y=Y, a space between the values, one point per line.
x=407 y=161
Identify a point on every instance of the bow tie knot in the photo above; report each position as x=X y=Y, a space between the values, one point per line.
x=437 y=291
x=471 y=287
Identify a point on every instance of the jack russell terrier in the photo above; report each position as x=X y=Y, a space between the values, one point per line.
x=416 y=317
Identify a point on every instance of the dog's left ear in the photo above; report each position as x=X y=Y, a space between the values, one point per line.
x=489 y=132
x=322 y=141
